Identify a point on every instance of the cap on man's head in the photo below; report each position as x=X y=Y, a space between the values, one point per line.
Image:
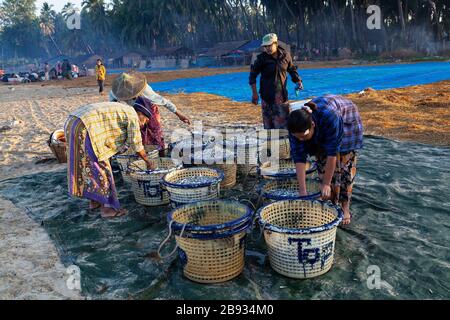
x=268 y=39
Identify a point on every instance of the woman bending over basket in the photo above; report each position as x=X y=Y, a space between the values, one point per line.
x=95 y=133
x=134 y=90
x=329 y=128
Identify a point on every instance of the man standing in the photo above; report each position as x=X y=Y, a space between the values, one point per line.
x=273 y=65
x=100 y=71
x=47 y=71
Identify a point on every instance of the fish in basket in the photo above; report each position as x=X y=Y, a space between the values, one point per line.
x=284 y=169
x=58 y=145
x=193 y=184
x=288 y=189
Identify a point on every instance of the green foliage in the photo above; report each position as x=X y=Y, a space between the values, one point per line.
x=418 y=25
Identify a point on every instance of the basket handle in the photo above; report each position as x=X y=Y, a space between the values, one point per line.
x=166 y=240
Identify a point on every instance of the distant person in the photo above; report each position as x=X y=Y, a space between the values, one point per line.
x=47 y=71
x=330 y=129
x=273 y=65
x=59 y=69
x=100 y=71
x=66 y=69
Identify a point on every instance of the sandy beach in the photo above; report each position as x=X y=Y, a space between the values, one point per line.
x=29 y=113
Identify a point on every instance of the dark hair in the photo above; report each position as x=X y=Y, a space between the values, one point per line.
x=301 y=120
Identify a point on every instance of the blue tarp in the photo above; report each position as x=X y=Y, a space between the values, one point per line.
x=318 y=81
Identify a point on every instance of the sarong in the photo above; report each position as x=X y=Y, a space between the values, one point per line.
x=87 y=177
x=275 y=115
x=343 y=177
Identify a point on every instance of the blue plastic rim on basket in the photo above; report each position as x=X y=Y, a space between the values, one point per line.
x=213 y=231
x=272 y=197
x=325 y=227
x=281 y=175
x=214 y=180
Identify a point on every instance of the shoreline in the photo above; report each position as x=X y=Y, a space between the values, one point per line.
x=168 y=75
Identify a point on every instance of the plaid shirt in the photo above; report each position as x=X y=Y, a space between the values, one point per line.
x=338 y=129
x=111 y=126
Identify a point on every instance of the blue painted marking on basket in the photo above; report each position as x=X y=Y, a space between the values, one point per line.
x=183 y=256
x=304 y=254
x=189 y=227
x=327 y=252
x=215 y=180
x=150 y=190
x=325 y=227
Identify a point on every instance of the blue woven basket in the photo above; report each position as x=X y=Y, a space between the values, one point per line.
x=181 y=193
x=210 y=237
x=300 y=236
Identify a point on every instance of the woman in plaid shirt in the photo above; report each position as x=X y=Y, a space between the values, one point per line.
x=329 y=128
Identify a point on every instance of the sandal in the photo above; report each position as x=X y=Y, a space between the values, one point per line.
x=98 y=206
x=119 y=213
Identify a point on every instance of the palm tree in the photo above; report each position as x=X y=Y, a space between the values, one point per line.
x=47 y=24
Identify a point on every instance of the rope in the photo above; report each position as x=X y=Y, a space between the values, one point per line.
x=260 y=232
x=249 y=202
x=167 y=240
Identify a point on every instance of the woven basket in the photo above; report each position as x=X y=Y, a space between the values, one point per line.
x=58 y=145
x=300 y=236
x=146 y=184
x=211 y=239
x=283 y=169
x=229 y=172
x=194 y=192
x=123 y=160
x=287 y=189
x=275 y=138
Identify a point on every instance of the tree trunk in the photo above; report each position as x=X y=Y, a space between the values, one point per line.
x=401 y=16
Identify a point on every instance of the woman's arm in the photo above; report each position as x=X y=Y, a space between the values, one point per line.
x=301 y=178
x=330 y=167
x=143 y=155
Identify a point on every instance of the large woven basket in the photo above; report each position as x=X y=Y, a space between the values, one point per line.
x=182 y=193
x=300 y=236
x=211 y=239
x=248 y=164
x=58 y=146
x=275 y=138
x=283 y=169
x=287 y=189
x=229 y=174
x=125 y=159
x=146 y=184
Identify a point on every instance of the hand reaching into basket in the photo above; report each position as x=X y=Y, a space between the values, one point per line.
x=150 y=165
x=143 y=155
x=325 y=190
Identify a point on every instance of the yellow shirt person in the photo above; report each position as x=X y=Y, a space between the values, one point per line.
x=100 y=71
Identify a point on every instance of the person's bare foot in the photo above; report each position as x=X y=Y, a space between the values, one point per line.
x=347 y=214
x=347 y=218
x=113 y=213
